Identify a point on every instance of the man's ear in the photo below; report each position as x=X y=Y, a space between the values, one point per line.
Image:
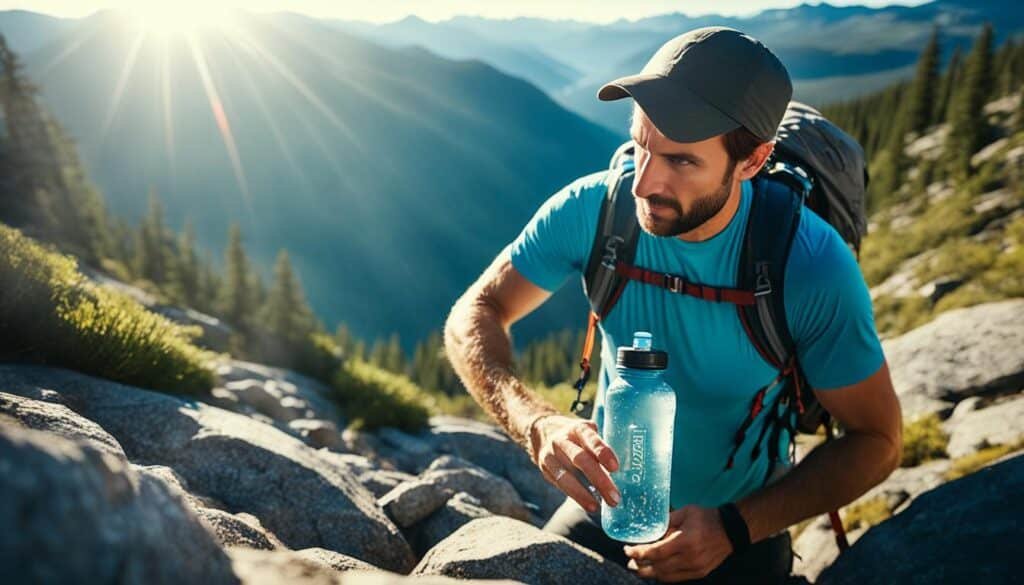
x=752 y=165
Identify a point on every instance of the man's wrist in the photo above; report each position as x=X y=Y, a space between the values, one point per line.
x=528 y=441
x=735 y=527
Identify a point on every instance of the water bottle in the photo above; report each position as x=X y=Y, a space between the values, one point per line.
x=639 y=415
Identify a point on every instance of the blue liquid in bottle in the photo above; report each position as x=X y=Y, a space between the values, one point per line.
x=639 y=415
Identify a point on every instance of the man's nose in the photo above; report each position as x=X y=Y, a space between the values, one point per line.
x=649 y=179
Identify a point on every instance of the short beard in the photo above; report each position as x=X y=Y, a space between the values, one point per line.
x=704 y=209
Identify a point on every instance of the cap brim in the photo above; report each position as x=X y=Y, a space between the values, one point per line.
x=678 y=113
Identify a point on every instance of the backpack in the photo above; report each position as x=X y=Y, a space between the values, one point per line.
x=814 y=164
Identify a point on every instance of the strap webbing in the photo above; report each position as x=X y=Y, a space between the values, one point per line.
x=678 y=284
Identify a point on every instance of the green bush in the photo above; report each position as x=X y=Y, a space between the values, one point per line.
x=866 y=513
x=52 y=314
x=968 y=464
x=923 y=440
x=372 y=397
x=896 y=315
x=958 y=257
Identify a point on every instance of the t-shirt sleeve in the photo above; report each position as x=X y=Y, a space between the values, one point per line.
x=556 y=241
x=830 y=313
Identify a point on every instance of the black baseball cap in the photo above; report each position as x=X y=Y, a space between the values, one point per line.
x=707 y=82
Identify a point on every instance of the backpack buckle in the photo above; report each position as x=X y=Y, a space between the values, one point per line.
x=611 y=252
x=673 y=283
x=763 y=284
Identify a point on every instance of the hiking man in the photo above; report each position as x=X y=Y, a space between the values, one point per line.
x=706 y=109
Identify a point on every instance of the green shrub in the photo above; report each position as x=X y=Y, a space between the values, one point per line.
x=923 y=440
x=958 y=257
x=896 y=315
x=968 y=464
x=866 y=513
x=52 y=314
x=372 y=397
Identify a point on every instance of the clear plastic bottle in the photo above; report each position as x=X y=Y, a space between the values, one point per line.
x=638 y=419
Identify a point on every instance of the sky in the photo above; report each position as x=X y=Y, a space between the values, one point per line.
x=389 y=10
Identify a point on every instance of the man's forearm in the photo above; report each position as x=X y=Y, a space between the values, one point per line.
x=480 y=352
x=830 y=476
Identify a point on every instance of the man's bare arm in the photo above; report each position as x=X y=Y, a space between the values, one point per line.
x=839 y=471
x=477 y=342
x=478 y=345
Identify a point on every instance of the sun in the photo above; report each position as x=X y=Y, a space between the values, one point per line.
x=180 y=17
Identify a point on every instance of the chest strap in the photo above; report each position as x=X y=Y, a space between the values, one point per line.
x=678 y=284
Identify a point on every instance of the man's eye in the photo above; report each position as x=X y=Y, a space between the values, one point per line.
x=675 y=160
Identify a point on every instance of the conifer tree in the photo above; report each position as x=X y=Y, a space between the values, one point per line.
x=941 y=112
x=236 y=302
x=150 y=259
x=921 y=98
x=968 y=126
x=286 y=313
x=394 y=355
x=187 y=272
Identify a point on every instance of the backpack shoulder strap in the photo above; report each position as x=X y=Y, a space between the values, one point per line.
x=775 y=211
x=614 y=240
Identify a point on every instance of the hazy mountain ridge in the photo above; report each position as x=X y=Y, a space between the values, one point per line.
x=334 y=135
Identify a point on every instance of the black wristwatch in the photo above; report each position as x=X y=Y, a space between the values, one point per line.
x=735 y=526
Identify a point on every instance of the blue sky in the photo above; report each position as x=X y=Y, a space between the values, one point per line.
x=387 y=10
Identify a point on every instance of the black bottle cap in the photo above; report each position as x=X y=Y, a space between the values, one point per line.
x=642 y=359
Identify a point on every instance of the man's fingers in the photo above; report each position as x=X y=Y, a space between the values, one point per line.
x=560 y=472
x=597 y=475
x=587 y=433
x=669 y=545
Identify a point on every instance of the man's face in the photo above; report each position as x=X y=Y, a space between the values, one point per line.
x=678 y=185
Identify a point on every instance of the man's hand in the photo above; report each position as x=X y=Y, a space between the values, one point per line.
x=561 y=445
x=694 y=545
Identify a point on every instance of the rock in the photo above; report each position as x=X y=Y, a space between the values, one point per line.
x=410 y=502
x=73 y=513
x=317 y=433
x=816 y=545
x=406 y=452
x=59 y=420
x=988 y=151
x=382 y=481
x=930 y=145
x=521 y=552
x=280 y=382
x=961 y=353
x=259 y=567
x=301 y=497
x=385 y=578
x=457 y=511
x=965 y=531
x=238 y=529
x=939 y=288
x=216 y=334
x=903 y=281
x=488 y=447
x=335 y=560
x=1000 y=423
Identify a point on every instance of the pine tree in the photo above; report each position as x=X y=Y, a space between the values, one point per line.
x=921 y=98
x=286 y=313
x=187 y=272
x=378 y=353
x=150 y=253
x=236 y=303
x=941 y=112
x=345 y=340
x=969 y=128
x=394 y=355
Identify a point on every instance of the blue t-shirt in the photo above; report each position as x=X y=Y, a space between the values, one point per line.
x=713 y=367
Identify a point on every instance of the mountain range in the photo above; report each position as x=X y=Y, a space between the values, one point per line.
x=394 y=161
